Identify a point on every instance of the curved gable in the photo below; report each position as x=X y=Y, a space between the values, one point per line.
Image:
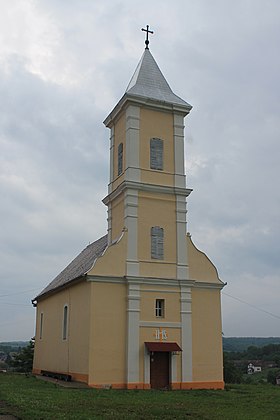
x=201 y=269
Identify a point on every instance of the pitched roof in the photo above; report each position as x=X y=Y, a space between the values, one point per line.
x=78 y=267
x=149 y=82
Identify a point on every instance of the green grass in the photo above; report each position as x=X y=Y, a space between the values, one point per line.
x=31 y=398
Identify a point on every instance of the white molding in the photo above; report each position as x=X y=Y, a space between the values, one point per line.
x=186 y=333
x=180 y=177
x=131 y=223
x=155 y=324
x=152 y=188
x=133 y=314
x=181 y=223
x=112 y=145
x=132 y=171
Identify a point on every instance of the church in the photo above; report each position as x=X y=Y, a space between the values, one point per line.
x=140 y=307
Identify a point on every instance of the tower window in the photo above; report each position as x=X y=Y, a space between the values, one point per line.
x=120 y=158
x=156 y=154
x=157 y=236
x=65 y=323
x=159 y=308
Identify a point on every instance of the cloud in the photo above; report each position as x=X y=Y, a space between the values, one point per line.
x=62 y=70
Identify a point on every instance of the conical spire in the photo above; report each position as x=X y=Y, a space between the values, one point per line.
x=149 y=82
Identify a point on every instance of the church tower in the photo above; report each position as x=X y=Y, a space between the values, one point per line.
x=152 y=299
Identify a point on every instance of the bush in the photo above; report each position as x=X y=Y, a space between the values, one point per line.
x=271 y=376
x=23 y=361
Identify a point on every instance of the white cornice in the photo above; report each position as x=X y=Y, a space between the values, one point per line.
x=147 y=102
x=140 y=186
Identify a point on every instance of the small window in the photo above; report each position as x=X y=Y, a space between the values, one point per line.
x=65 y=322
x=120 y=158
x=41 y=325
x=160 y=308
x=157 y=236
x=156 y=154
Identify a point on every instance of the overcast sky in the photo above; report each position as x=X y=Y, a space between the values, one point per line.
x=63 y=66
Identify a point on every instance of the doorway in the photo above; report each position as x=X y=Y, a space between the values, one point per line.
x=160 y=370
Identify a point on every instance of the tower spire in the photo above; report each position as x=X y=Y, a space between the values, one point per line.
x=147 y=36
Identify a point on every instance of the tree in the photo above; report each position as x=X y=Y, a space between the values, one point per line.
x=232 y=375
x=23 y=360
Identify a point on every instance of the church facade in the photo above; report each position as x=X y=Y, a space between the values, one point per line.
x=140 y=307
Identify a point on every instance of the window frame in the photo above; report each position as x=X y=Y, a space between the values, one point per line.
x=160 y=308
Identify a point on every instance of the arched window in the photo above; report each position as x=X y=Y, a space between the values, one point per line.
x=157 y=237
x=156 y=154
x=120 y=158
x=65 y=323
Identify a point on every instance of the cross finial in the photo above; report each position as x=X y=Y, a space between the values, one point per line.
x=147 y=36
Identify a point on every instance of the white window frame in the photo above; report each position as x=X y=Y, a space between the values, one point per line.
x=160 y=308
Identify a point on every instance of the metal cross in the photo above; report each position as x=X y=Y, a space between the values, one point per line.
x=147 y=36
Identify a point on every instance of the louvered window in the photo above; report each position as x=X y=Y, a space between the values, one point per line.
x=120 y=158
x=157 y=236
x=156 y=154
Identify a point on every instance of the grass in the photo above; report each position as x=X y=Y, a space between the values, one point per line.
x=31 y=398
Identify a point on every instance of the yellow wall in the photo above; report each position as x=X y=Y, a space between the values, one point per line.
x=108 y=334
x=157 y=210
x=207 y=335
x=149 y=294
x=120 y=137
x=112 y=262
x=52 y=353
x=200 y=267
x=160 y=125
x=117 y=216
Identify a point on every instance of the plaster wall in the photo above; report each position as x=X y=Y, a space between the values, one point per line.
x=52 y=353
x=206 y=335
x=108 y=335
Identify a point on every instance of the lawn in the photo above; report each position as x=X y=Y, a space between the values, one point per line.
x=31 y=398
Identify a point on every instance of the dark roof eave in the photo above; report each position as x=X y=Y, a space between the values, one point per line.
x=48 y=293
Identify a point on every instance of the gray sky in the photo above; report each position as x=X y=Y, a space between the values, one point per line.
x=64 y=65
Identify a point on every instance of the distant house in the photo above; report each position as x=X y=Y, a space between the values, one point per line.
x=253 y=369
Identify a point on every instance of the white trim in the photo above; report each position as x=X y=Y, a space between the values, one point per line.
x=133 y=314
x=182 y=263
x=131 y=223
x=112 y=145
x=186 y=333
x=154 y=324
x=132 y=171
x=180 y=177
x=152 y=188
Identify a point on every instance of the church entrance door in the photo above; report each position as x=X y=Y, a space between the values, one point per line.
x=159 y=370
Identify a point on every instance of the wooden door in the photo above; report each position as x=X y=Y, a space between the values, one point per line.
x=159 y=370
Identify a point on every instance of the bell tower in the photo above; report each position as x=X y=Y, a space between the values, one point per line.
x=147 y=189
